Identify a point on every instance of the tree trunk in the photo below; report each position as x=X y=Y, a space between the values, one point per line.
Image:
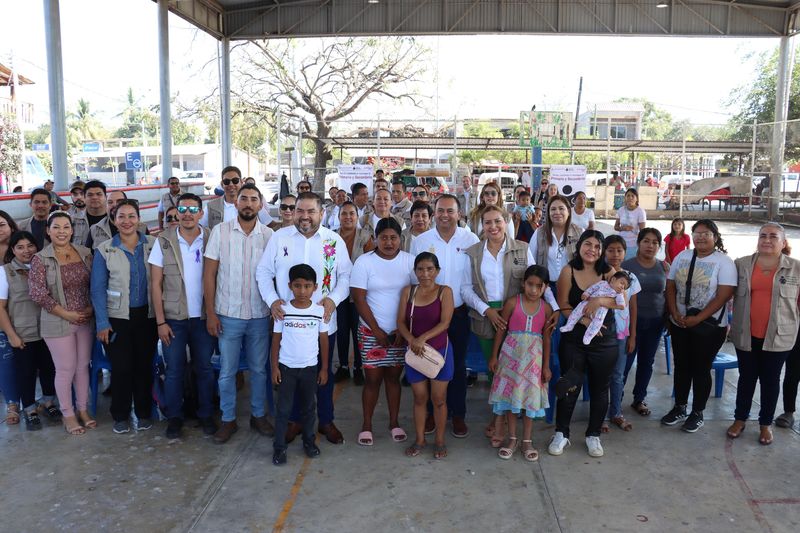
x=321 y=158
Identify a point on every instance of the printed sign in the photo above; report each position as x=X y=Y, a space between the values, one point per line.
x=570 y=179
x=352 y=174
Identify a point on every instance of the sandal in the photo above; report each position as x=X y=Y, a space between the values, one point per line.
x=497 y=441
x=12 y=414
x=736 y=429
x=399 y=434
x=641 y=408
x=530 y=453
x=87 y=421
x=621 y=423
x=439 y=451
x=604 y=427
x=365 y=438
x=765 y=438
x=489 y=431
x=507 y=452
x=32 y=421
x=415 y=449
x=75 y=429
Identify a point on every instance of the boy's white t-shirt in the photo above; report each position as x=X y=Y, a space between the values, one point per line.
x=709 y=272
x=300 y=329
x=384 y=280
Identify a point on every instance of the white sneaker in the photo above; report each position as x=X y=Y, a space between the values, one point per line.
x=594 y=446
x=557 y=444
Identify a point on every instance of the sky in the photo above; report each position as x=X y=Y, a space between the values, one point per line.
x=111 y=45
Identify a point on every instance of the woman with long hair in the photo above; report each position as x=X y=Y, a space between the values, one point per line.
x=491 y=194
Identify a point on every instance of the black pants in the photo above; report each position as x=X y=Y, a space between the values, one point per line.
x=131 y=356
x=694 y=351
x=599 y=359
x=346 y=326
x=791 y=378
x=758 y=366
x=33 y=360
x=298 y=386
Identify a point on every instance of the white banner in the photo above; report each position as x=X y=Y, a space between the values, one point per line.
x=349 y=175
x=570 y=179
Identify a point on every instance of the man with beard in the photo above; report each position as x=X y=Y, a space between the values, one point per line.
x=40 y=205
x=168 y=199
x=223 y=209
x=326 y=252
x=80 y=224
x=235 y=312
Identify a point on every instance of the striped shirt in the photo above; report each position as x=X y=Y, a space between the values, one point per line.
x=238 y=254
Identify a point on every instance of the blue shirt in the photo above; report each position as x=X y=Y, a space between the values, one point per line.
x=137 y=287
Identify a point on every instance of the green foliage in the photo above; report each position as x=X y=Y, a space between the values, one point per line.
x=10 y=148
x=485 y=130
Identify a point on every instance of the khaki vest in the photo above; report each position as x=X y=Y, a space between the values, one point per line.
x=216 y=211
x=783 y=317
x=80 y=226
x=573 y=234
x=119 y=279
x=167 y=200
x=403 y=210
x=101 y=232
x=172 y=287
x=515 y=262
x=24 y=313
x=52 y=325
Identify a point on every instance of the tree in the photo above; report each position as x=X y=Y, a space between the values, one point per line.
x=315 y=83
x=83 y=123
x=136 y=118
x=487 y=131
x=10 y=149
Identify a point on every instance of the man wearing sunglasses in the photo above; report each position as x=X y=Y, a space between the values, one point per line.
x=176 y=274
x=168 y=199
x=223 y=209
x=105 y=229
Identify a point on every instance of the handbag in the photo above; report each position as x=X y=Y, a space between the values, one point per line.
x=710 y=324
x=430 y=362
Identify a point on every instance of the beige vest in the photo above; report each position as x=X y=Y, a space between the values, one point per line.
x=573 y=234
x=24 y=313
x=216 y=211
x=515 y=262
x=783 y=317
x=52 y=325
x=172 y=287
x=101 y=232
x=119 y=279
x=80 y=226
x=403 y=210
x=167 y=200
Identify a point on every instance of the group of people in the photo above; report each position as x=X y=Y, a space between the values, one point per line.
x=407 y=280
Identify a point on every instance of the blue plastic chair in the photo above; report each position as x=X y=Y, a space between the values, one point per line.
x=722 y=362
x=99 y=362
x=476 y=362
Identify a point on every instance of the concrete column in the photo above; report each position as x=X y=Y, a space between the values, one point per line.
x=225 y=100
x=784 y=79
x=163 y=78
x=55 y=88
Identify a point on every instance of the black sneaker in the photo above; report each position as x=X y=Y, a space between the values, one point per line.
x=677 y=414
x=472 y=379
x=358 y=377
x=174 y=428
x=32 y=421
x=311 y=449
x=279 y=457
x=694 y=422
x=143 y=424
x=208 y=425
x=343 y=374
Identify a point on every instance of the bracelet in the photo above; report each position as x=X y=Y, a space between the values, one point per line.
x=161 y=324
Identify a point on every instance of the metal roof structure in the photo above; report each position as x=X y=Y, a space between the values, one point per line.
x=249 y=19
x=578 y=145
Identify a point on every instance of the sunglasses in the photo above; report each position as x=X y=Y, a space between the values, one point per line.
x=545 y=183
x=420 y=193
x=284 y=207
x=228 y=181
x=490 y=192
x=172 y=218
x=192 y=209
x=304 y=188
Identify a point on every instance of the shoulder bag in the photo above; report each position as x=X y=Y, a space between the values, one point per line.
x=430 y=362
x=710 y=325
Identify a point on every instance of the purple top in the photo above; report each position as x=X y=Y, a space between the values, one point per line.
x=426 y=317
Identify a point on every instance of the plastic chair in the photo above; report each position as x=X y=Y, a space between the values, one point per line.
x=99 y=362
x=476 y=362
x=722 y=362
x=668 y=351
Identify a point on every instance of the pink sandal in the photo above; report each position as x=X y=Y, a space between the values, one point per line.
x=399 y=435
x=365 y=438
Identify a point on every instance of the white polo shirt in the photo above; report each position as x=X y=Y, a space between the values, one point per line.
x=450 y=254
x=192 y=259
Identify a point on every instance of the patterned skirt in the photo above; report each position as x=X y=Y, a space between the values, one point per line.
x=375 y=356
x=518 y=382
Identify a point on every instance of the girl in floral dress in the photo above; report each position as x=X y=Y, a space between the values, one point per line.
x=521 y=362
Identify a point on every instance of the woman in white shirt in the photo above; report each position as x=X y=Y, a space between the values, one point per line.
x=491 y=194
x=582 y=216
x=630 y=219
x=376 y=282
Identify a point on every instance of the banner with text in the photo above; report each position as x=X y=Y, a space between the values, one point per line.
x=570 y=179
x=352 y=174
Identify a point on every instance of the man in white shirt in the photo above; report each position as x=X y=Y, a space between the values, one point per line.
x=448 y=242
x=361 y=199
x=326 y=252
x=223 y=209
x=235 y=311
x=176 y=273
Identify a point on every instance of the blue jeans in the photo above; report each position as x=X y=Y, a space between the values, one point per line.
x=324 y=393
x=8 y=371
x=648 y=338
x=255 y=333
x=194 y=333
x=617 y=383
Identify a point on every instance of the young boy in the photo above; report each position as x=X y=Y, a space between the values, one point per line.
x=297 y=366
x=523 y=212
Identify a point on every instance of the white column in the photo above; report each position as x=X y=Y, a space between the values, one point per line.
x=55 y=88
x=225 y=100
x=784 y=79
x=163 y=78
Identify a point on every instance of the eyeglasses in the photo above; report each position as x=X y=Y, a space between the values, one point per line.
x=703 y=234
x=172 y=218
x=228 y=181
x=193 y=209
x=304 y=188
x=418 y=194
x=284 y=207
